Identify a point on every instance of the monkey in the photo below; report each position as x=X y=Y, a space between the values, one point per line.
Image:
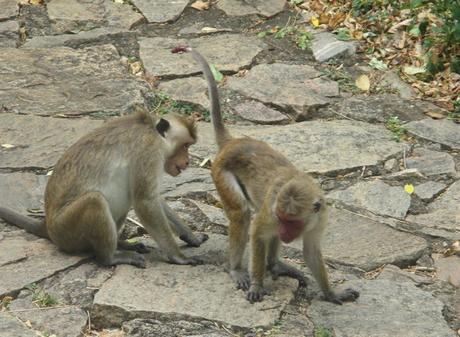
x=102 y=176
x=248 y=173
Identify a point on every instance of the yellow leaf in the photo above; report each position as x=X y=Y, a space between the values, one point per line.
x=7 y=146
x=363 y=82
x=200 y=5
x=314 y=21
x=409 y=188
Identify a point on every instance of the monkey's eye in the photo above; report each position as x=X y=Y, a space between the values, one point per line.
x=316 y=206
x=186 y=146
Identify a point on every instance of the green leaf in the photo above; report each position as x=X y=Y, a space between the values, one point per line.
x=415 y=31
x=416 y=3
x=377 y=64
x=262 y=34
x=216 y=73
x=343 y=34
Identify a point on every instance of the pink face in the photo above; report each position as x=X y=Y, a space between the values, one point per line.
x=289 y=227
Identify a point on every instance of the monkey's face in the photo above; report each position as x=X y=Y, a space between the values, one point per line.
x=178 y=161
x=289 y=227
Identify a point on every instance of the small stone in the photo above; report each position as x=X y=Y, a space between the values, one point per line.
x=267 y=8
x=377 y=197
x=391 y=309
x=390 y=165
x=427 y=190
x=443 y=131
x=259 y=113
x=431 y=163
x=325 y=46
x=448 y=269
x=295 y=88
x=160 y=11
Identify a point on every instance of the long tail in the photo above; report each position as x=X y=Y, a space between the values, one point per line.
x=220 y=131
x=37 y=227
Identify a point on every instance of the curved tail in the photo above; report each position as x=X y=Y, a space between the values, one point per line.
x=37 y=227
x=220 y=131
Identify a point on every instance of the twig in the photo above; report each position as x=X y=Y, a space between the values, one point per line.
x=42 y=308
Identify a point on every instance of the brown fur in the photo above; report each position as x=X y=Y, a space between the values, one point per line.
x=99 y=178
x=249 y=172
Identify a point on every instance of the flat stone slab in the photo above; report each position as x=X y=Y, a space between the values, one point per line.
x=22 y=191
x=215 y=215
x=9 y=34
x=71 y=40
x=39 y=259
x=427 y=190
x=159 y=11
x=38 y=141
x=392 y=79
x=259 y=113
x=384 y=308
x=447 y=269
x=227 y=52
x=296 y=88
x=352 y=239
x=316 y=146
x=36 y=81
x=204 y=292
x=326 y=46
x=10 y=9
x=266 y=8
x=378 y=108
x=69 y=15
x=11 y=326
x=431 y=163
x=444 y=217
x=191 y=90
x=377 y=197
x=442 y=131
x=191 y=181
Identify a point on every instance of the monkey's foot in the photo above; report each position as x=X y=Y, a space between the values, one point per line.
x=195 y=240
x=348 y=295
x=182 y=260
x=125 y=257
x=256 y=293
x=241 y=278
x=282 y=269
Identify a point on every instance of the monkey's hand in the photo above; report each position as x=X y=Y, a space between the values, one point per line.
x=182 y=260
x=195 y=240
x=241 y=278
x=256 y=293
x=348 y=295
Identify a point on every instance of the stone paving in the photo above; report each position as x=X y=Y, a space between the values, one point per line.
x=66 y=65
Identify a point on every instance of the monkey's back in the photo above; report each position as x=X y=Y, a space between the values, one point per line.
x=255 y=164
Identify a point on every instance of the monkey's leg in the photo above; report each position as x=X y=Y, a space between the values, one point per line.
x=313 y=257
x=237 y=211
x=182 y=230
x=257 y=268
x=89 y=217
x=152 y=216
x=278 y=268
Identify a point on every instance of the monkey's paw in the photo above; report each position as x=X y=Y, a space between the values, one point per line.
x=256 y=293
x=192 y=261
x=196 y=240
x=348 y=295
x=241 y=278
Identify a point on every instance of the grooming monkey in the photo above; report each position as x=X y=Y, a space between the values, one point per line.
x=99 y=178
x=287 y=202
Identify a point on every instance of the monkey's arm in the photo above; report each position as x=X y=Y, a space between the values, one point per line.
x=313 y=257
x=37 y=227
x=152 y=216
x=181 y=229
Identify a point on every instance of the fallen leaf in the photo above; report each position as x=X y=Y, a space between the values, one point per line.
x=216 y=73
x=377 y=64
x=363 y=82
x=411 y=70
x=200 y=5
x=404 y=23
x=314 y=21
x=209 y=30
x=7 y=146
x=36 y=2
x=409 y=188
x=435 y=114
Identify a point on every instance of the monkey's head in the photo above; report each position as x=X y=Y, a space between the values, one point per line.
x=297 y=206
x=179 y=134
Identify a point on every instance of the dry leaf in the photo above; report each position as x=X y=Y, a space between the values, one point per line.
x=314 y=21
x=200 y=5
x=363 y=82
x=36 y=2
x=435 y=114
x=209 y=30
x=7 y=146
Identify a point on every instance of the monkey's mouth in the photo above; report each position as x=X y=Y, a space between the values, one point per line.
x=289 y=228
x=178 y=169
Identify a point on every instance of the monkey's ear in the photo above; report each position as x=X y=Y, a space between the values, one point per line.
x=162 y=126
